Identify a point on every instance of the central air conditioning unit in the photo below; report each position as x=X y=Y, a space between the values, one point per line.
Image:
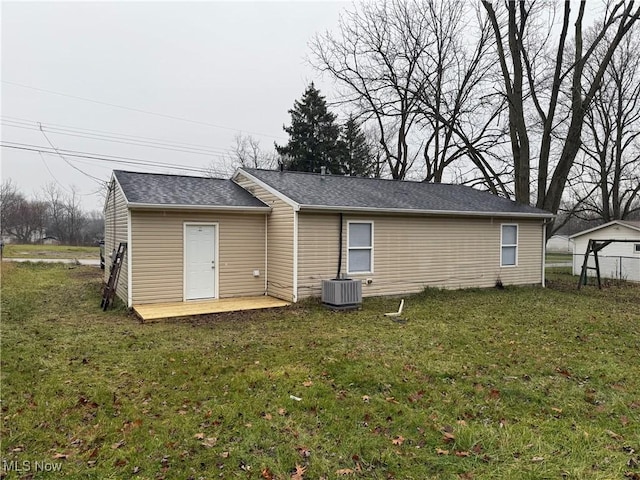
x=342 y=294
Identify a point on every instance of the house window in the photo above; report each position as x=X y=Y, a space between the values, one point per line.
x=636 y=248
x=509 y=246
x=360 y=252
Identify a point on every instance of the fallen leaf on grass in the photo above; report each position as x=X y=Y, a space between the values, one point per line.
x=225 y=454
x=461 y=454
x=304 y=452
x=440 y=451
x=624 y=420
x=413 y=398
x=199 y=436
x=462 y=423
x=632 y=475
x=209 y=442
x=448 y=437
x=308 y=383
x=557 y=410
x=267 y=416
x=128 y=426
x=537 y=459
x=345 y=471
x=399 y=440
x=299 y=473
x=366 y=398
x=61 y=456
x=614 y=435
x=282 y=412
x=266 y=474
x=391 y=400
x=121 y=462
x=94 y=453
x=117 y=445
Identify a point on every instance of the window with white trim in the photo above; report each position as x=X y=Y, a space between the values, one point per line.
x=360 y=251
x=509 y=246
x=636 y=248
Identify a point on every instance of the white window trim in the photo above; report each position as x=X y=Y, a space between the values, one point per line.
x=371 y=248
x=502 y=244
x=636 y=248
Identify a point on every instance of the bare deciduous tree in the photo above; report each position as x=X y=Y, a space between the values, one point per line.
x=245 y=152
x=65 y=218
x=9 y=197
x=608 y=169
x=524 y=55
x=25 y=219
x=375 y=56
x=419 y=71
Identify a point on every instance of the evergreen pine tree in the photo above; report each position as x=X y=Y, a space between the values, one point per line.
x=355 y=158
x=313 y=135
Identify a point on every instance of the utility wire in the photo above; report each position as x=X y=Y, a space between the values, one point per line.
x=139 y=110
x=68 y=162
x=51 y=173
x=108 y=133
x=198 y=150
x=110 y=158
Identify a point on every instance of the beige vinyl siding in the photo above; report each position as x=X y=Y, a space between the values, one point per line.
x=414 y=252
x=157 y=259
x=116 y=231
x=279 y=240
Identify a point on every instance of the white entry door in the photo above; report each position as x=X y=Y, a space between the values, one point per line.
x=199 y=261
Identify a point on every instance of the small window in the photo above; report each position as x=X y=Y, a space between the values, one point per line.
x=636 y=248
x=509 y=246
x=360 y=252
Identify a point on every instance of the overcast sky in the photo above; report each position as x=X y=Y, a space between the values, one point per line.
x=69 y=68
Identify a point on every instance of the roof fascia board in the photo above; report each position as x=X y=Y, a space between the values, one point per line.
x=605 y=225
x=295 y=205
x=113 y=181
x=126 y=200
x=319 y=208
x=232 y=208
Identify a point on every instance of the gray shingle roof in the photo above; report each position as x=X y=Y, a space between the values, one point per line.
x=334 y=192
x=177 y=190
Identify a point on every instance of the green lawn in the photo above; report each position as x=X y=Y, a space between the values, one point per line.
x=50 y=251
x=522 y=383
x=558 y=258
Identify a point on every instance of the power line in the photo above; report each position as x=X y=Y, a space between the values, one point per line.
x=118 y=160
x=139 y=110
x=51 y=173
x=117 y=138
x=68 y=162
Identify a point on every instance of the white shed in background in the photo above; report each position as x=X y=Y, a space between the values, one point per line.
x=620 y=260
x=559 y=244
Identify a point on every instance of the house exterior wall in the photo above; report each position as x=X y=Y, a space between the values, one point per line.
x=157 y=256
x=617 y=260
x=414 y=252
x=116 y=231
x=280 y=240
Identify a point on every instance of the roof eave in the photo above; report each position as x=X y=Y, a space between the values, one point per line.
x=225 y=208
x=321 y=208
x=622 y=223
x=272 y=190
